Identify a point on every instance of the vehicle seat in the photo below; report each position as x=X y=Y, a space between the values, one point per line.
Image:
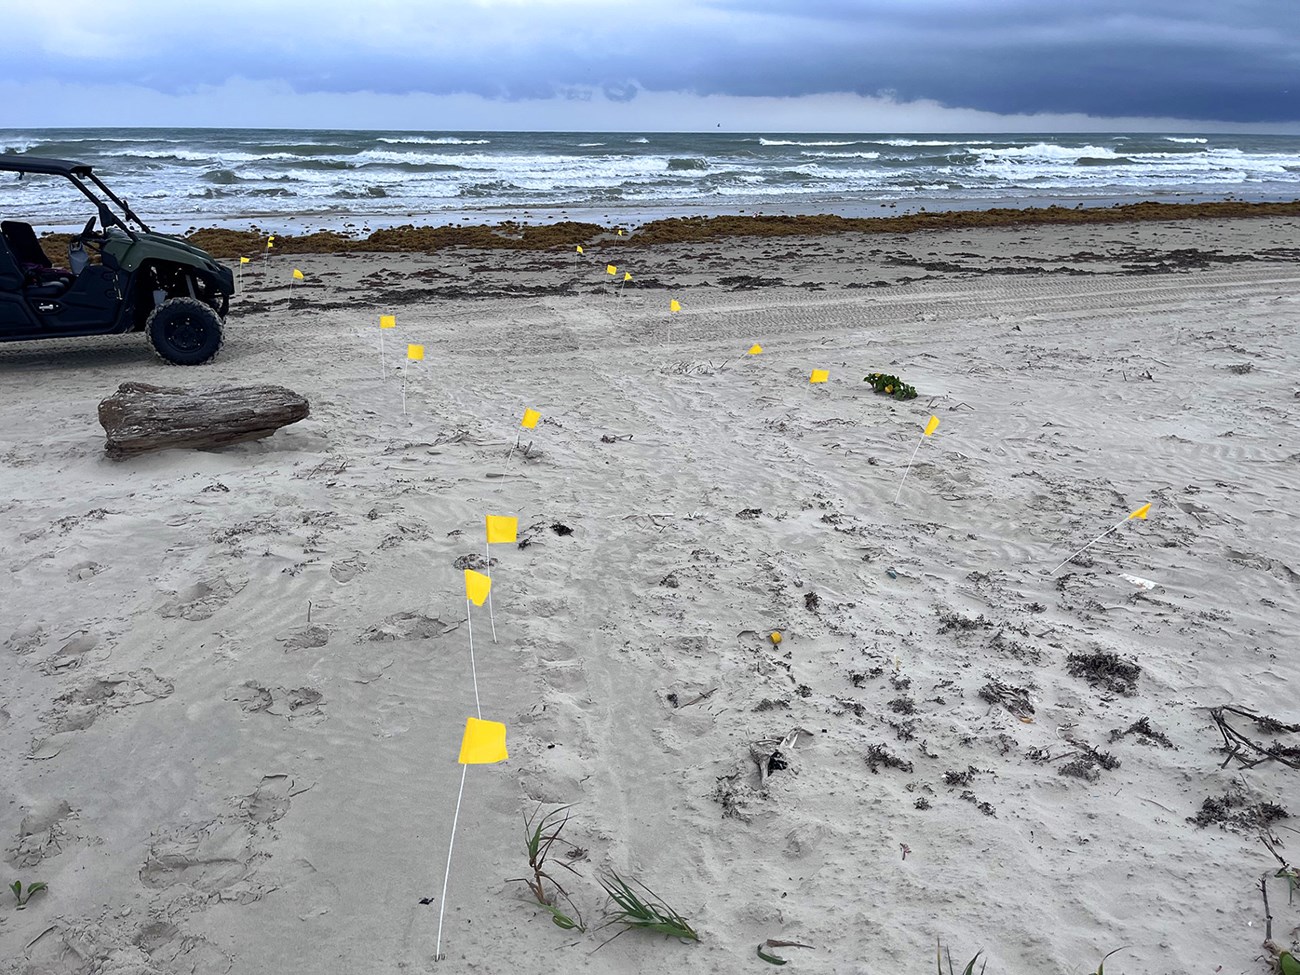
x=38 y=270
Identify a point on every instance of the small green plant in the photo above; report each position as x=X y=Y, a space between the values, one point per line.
x=1101 y=965
x=24 y=898
x=890 y=386
x=649 y=914
x=539 y=837
x=940 y=952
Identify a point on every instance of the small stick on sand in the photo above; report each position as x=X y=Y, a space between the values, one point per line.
x=706 y=695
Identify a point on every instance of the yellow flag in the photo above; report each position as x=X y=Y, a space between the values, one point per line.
x=270 y=242
x=819 y=376
x=627 y=276
x=932 y=426
x=388 y=321
x=610 y=269
x=755 y=349
x=415 y=352
x=297 y=275
x=674 y=305
x=1141 y=512
x=620 y=233
x=530 y=419
x=477 y=586
x=243 y=260
x=580 y=250
x=484 y=743
x=501 y=528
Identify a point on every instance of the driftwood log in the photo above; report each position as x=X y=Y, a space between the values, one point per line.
x=139 y=417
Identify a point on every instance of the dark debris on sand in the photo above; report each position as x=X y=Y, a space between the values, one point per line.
x=1105 y=668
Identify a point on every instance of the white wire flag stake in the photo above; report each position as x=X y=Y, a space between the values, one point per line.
x=499 y=529
x=385 y=321
x=1141 y=514
x=484 y=742
x=930 y=427
x=414 y=353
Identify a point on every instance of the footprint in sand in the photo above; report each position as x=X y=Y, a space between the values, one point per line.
x=201 y=600
x=269 y=802
x=77 y=709
x=308 y=637
x=171 y=951
x=297 y=702
x=73 y=653
x=217 y=860
x=85 y=570
x=43 y=833
x=26 y=638
x=406 y=626
x=346 y=570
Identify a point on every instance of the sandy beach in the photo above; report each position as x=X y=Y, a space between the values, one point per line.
x=233 y=683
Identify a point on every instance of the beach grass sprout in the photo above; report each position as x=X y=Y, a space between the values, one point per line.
x=643 y=910
x=540 y=834
x=24 y=897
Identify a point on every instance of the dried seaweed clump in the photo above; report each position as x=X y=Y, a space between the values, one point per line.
x=1105 y=668
x=1147 y=734
x=878 y=755
x=1233 y=810
x=1088 y=762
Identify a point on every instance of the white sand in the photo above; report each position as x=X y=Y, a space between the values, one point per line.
x=209 y=784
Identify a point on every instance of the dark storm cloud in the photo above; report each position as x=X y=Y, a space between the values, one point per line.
x=1236 y=60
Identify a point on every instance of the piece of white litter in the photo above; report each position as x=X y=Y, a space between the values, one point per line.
x=1139 y=582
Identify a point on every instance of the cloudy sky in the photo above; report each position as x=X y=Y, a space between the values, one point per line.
x=797 y=65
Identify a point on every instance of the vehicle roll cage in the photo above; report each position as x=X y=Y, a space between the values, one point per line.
x=77 y=173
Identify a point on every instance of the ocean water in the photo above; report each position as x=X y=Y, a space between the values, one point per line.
x=307 y=179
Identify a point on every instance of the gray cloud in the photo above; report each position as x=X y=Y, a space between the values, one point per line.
x=1233 y=60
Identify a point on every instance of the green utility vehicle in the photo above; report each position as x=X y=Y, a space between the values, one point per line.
x=121 y=277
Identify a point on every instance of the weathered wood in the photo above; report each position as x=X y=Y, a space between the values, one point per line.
x=139 y=417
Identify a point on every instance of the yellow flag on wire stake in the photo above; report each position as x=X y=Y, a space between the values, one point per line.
x=385 y=321
x=610 y=269
x=529 y=422
x=819 y=376
x=243 y=260
x=580 y=250
x=755 y=349
x=484 y=743
x=1140 y=515
x=931 y=425
x=674 y=305
x=414 y=353
x=501 y=529
x=297 y=275
x=477 y=586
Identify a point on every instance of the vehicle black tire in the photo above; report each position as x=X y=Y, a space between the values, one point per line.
x=184 y=331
